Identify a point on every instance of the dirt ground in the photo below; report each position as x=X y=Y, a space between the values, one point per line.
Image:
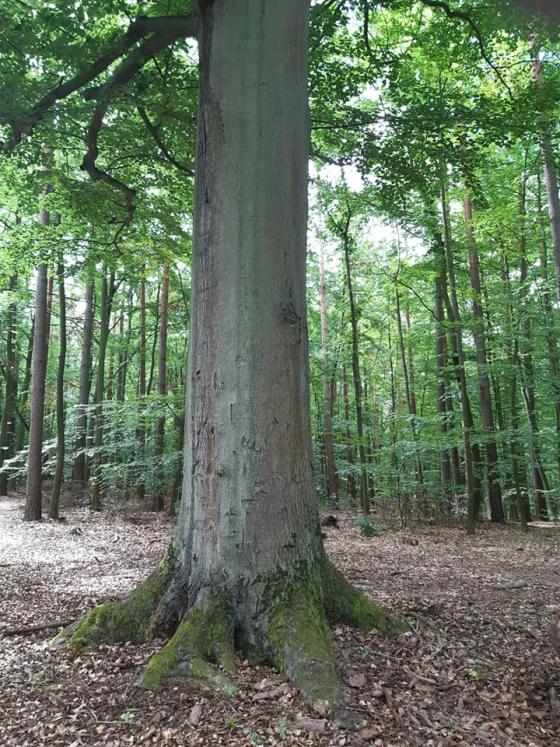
x=476 y=669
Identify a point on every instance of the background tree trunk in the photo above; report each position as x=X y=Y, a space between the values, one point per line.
x=8 y=422
x=327 y=389
x=60 y=418
x=78 y=469
x=159 y=430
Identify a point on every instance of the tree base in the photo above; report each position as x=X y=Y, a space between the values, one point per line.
x=287 y=626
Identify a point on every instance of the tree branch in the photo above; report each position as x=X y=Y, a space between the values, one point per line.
x=161 y=145
x=166 y=26
x=464 y=16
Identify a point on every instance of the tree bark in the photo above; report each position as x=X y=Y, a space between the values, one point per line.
x=328 y=435
x=78 y=468
x=486 y=412
x=8 y=422
x=247 y=562
x=60 y=415
x=34 y=491
x=159 y=429
x=350 y=479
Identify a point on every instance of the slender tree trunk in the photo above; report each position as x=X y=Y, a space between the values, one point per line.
x=22 y=426
x=441 y=392
x=159 y=432
x=551 y=323
x=526 y=368
x=141 y=433
x=8 y=422
x=411 y=405
x=154 y=342
x=473 y=501
x=34 y=491
x=550 y=176
x=350 y=480
x=60 y=415
x=78 y=469
x=486 y=412
x=364 y=493
x=107 y=292
x=327 y=390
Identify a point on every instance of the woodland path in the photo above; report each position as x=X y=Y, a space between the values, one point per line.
x=476 y=670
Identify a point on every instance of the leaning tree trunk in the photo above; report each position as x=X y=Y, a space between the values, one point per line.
x=78 y=468
x=247 y=563
x=479 y=334
x=7 y=425
x=34 y=491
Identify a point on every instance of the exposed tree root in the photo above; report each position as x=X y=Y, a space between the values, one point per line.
x=202 y=642
x=281 y=620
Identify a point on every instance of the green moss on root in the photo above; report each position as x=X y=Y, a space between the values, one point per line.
x=298 y=637
x=128 y=620
x=203 y=639
x=346 y=604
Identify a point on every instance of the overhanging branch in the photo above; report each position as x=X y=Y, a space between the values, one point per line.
x=161 y=145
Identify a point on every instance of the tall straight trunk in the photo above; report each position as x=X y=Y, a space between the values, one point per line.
x=8 y=421
x=350 y=480
x=551 y=322
x=22 y=426
x=107 y=292
x=60 y=415
x=526 y=367
x=473 y=501
x=394 y=480
x=550 y=175
x=441 y=391
x=78 y=468
x=411 y=404
x=34 y=491
x=486 y=412
x=154 y=342
x=247 y=567
x=159 y=430
x=327 y=389
x=123 y=350
x=364 y=493
x=141 y=432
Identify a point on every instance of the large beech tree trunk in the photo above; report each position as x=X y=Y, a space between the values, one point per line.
x=246 y=567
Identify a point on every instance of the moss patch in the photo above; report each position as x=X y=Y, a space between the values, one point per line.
x=203 y=639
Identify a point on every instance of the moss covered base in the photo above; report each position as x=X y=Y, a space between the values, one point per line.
x=282 y=620
x=202 y=643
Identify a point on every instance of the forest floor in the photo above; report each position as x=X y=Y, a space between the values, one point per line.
x=476 y=669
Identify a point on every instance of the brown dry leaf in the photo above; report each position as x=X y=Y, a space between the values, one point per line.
x=357 y=680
